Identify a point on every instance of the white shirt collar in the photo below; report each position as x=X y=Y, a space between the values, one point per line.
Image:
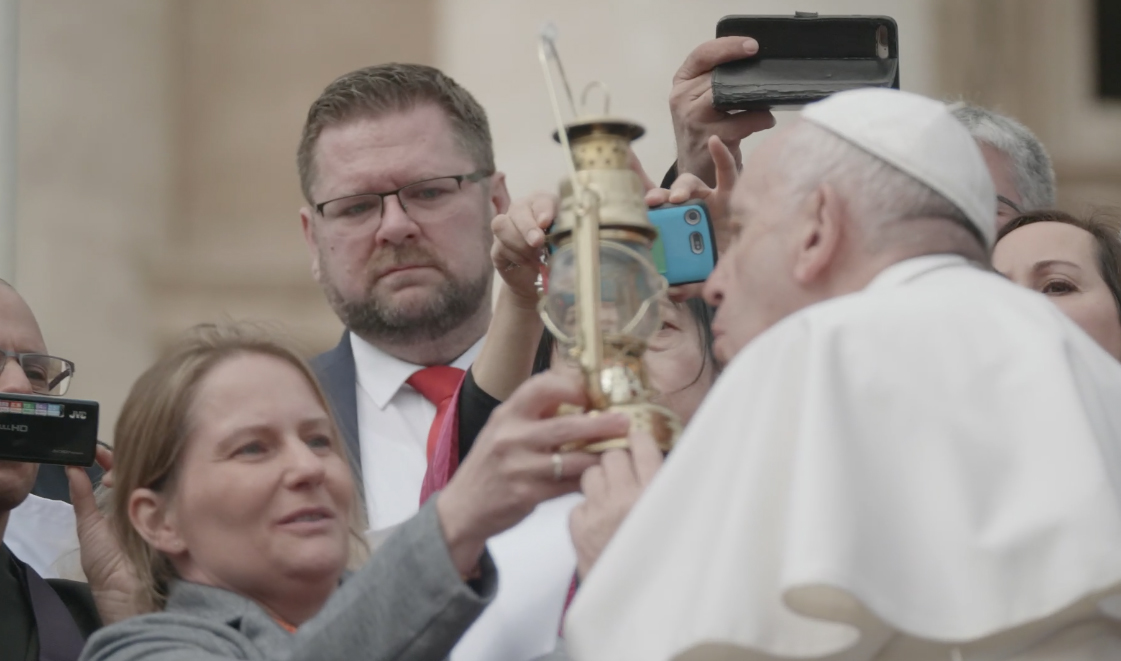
x=909 y=269
x=382 y=375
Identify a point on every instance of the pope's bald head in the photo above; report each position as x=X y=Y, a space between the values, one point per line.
x=804 y=157
x=918 y=137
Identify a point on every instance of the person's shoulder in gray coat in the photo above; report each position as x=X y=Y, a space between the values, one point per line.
x=408 y=603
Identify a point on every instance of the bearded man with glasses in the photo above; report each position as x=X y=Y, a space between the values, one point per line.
x=397 y=168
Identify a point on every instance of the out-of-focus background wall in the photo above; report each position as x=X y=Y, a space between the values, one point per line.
x=157 y=185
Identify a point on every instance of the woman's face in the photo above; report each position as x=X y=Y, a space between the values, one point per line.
x=675 y=362
x=262 y=498
x=1061 y=261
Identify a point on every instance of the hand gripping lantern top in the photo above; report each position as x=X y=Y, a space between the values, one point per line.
x=603 y=290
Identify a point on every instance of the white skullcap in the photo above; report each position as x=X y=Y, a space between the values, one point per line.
x=920 y=137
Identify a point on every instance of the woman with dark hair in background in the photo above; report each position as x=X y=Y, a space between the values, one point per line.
x=1076 y=262
x=684 y=324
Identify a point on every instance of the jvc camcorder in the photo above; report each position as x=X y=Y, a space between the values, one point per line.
x=48 y=430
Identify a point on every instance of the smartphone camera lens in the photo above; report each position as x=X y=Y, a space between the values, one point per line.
x=692 y=216
x=697 y=242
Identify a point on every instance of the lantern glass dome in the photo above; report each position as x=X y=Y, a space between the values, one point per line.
x=629 y=291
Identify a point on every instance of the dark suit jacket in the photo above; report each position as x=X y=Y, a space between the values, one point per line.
x=17 y=625
x=337 y=375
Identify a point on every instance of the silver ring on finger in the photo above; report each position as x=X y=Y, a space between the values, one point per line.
x=510 y=267
x=558 y=466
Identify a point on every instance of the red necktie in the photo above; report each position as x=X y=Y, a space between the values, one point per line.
x=437 y=384
x=568 y=601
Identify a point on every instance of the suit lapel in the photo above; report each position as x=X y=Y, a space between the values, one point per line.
x=336 y=372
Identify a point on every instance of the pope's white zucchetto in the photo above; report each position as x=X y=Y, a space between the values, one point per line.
x=920 y=137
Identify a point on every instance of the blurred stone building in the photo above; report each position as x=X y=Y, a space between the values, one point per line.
x=157 y=137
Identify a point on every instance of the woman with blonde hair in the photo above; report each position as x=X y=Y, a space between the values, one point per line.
x=235 y=503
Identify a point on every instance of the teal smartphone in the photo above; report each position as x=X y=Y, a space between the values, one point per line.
x=685 y=250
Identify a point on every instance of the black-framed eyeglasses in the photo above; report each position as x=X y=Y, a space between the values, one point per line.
x=48 y=375
x=1000 y=199
x=422 y=200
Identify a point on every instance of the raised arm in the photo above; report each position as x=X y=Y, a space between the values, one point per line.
x=506 y=359
x=426 y=584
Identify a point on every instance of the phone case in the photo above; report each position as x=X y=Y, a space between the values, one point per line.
x=805 y=58
x=685 y=250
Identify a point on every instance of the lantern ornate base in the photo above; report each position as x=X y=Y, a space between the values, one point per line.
x=658 y=421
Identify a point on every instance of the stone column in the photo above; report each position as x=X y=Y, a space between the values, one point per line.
x=157 y=162
x=96 y=127
x=9 y=66
x=1033 y=59
x=247 y=71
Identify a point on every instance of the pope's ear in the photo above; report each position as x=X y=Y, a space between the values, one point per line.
x=823 y=214
x=150 y=515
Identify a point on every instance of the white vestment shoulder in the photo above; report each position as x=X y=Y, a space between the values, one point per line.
x=929 y=464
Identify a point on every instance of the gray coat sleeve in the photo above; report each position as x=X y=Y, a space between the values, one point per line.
x=407 y=603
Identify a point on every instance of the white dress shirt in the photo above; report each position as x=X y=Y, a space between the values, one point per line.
x=393 y=424
x=928 y=469
x=536 y=562
x=41 y=532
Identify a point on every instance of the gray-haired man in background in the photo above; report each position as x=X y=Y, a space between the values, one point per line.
x=1017 y=161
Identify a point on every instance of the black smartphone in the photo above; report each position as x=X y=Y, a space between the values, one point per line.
x=805 y=58
x=48 y=430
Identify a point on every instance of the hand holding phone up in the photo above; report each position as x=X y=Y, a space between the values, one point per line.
x=689 y=187
x=694 y=117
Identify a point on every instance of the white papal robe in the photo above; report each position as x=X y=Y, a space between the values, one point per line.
x=927 y=469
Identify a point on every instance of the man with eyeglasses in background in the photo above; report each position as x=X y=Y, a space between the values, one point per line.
x=39 y=618
x=397 y=169
x=40 y=529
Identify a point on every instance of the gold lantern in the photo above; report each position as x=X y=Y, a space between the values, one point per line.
x=603 y=290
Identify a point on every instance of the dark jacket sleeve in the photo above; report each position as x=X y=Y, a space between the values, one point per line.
x=407 y=603
x=475 y=407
